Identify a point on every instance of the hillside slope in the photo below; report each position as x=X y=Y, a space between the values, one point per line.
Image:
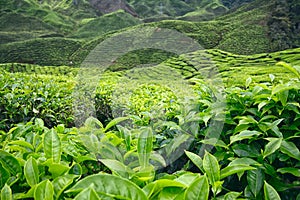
x=256 y=27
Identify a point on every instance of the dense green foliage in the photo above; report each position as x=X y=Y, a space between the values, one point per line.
x=255 y=156
x=222 y=122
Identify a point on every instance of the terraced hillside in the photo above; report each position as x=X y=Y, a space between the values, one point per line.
x=233 y=68
x=27 y=24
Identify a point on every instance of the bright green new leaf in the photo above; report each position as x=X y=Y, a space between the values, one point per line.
x=57 y=169
x=244 y=135
x=52 y=146
x=255 y=179
x=31 y=172
x=152 y=189
x=114 y=122
x=248 y=82
x=197 y=160
x=270 y=193
x=117 y=167
x=211 y=167
x=6 y=193
x=199 y=189
x=61 y=183
x=87 y=194
x=233 y=169
x=145 y=144
x=172 y=193
x=232 y=195
x=290 y=170
x=22 y=143
x=44 y=191
x=272 y=146
x=110 y=185
x=10 y=163
x=187 y=178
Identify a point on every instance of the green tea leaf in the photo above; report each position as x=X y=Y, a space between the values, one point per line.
x=52 y=146
x=246 y=150
x=10 y=163
x=244 y=135
x=110 y=185
x=211 y=167
x=4 y=175
x=117 y=167
x=270 y=193
x=57 y=169
x=153 y=188
x=114 y=122
x=44 y=191
x=232 y=195
x=290 y=149
x=255 y=179
x=31 y=172
x=290 y=170
x=248 y=82
x=22 y=143
x=61 y=183
x=233 y=169
x=272 y=146
x=87 y=194
x=171 y=193
x=6 y=193
x=145 y=144
x=199 y=189
x=197 y=160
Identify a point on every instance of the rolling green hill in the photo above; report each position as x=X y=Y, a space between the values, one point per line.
x=254 y=28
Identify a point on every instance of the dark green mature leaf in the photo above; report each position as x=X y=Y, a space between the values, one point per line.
x=6 y=193
x=10 y=163
x=87 y=194
x=44 y=191
x=52 y=146
x=233 y=169
x=145 y=145
x=199 y=189
x=273 y=145
x=244 y=135
x=244 y=150
x=244 y=161
x=110 y=185
x=270 y=193
x=197 y=160
x=255 y=179
x=4 y=175
x=290 y=170
x=31 y=172
x=211 y=167
x=290 y=149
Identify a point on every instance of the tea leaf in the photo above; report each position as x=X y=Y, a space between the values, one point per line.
x=199 y=189
x=270 y=193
